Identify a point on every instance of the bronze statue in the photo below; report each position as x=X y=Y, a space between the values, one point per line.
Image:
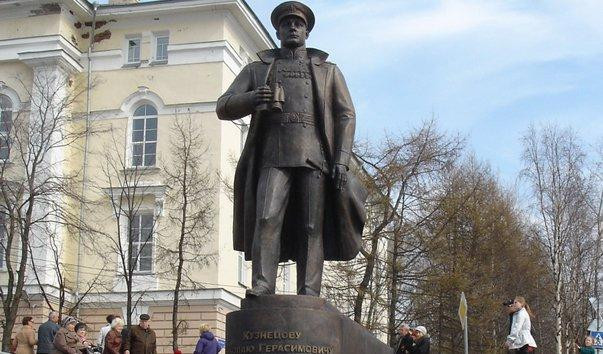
x=295 y=197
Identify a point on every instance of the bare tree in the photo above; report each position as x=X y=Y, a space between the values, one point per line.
x=36 y=188
x=402 y=174
x=189 y=210
x=555 y=172
x=59 y=269
x=131 y=240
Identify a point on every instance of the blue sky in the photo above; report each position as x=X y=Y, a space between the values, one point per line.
x=484 y=69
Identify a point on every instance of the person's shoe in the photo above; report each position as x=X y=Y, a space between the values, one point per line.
x=257 y=291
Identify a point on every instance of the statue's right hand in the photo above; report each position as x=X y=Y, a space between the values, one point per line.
x=262 y=95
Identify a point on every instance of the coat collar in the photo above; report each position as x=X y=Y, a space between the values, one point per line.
x=317 y=56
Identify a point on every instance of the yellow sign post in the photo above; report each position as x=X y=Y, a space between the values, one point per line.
x=463 y=318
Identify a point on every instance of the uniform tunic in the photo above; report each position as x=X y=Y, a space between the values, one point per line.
x=292 y=138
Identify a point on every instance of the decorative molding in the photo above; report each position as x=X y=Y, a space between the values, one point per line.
x=171 y=109
x=156 y=297
x=178 y=54
x=42 y=50
x=142 y=95
x=12 y=95
x=148 y=297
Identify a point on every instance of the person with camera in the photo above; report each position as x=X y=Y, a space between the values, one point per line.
x=113 y=339
x=405 y=341
x=421 y=339
x=85 y=346
x=520 y=339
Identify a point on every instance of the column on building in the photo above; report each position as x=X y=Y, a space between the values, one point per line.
x=49 y=113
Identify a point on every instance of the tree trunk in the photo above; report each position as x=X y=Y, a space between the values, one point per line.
x=366 y=279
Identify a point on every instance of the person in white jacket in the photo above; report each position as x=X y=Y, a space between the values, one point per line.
x=520 y=339
x=103 y=331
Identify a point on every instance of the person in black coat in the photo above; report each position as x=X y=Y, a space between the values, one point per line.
x=422 y=341
x=405 y=341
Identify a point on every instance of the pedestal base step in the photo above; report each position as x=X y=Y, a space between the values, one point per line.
x=296 y=324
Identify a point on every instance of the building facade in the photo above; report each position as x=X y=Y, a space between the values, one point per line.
x=124 y=73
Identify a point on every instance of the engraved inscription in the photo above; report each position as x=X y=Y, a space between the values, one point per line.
x=276 y=348
x=281 y=348
x=252 y=335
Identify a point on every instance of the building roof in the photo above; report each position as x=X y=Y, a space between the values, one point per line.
x=174 y=5
x=85 y=10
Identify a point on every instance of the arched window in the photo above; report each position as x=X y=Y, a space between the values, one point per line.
x=144 y=136
x=6 y=119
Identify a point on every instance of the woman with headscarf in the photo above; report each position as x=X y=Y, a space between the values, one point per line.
x=66 y=340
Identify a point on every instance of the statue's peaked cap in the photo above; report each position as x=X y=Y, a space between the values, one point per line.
x=292 y=8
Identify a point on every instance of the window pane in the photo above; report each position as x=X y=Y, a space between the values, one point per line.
x=4 y=153
x=5 y=121
x=146 y=265
x=149 y=160
x=134 y=50
x=5 y=103
x=149 y=148
x=140 y=111
x=134 y=235
x=151 y=135
x=137 y=135
x=151 y=123
x=162 y=43
x=137 y=149
x=146 y=251
x=137 y=160
x=146 y=221
x=150 y=110
x=4 y=148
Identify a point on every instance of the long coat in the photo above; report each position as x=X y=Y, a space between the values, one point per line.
x=141 y=341
x=344 y=209
x=26 y=339
x=66 y=342
x=46 y=334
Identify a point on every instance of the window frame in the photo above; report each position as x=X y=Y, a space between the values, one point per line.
x=3 y=240
x=144 y=142
x=134 y=37
x=156 y=47
x=138 y=245
x=242 y=269
x=5 y=133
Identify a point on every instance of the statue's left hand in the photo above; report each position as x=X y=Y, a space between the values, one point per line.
x=340 y=176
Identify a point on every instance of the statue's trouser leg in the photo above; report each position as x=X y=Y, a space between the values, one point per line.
x=272 y=198
x=310 y=257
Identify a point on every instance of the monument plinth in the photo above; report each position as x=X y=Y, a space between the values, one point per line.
x=296 y=324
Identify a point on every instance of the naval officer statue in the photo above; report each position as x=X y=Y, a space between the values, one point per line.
x=295 y=197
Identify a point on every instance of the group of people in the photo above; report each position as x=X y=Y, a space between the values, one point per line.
x=70 y=337
x=67 y=338
x=413 y=341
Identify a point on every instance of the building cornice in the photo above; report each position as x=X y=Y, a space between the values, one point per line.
x=178 y=54
x=219 y=295
x=238 y=7
x=41 y=50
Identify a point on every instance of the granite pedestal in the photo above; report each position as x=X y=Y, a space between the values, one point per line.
x=296 y=324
